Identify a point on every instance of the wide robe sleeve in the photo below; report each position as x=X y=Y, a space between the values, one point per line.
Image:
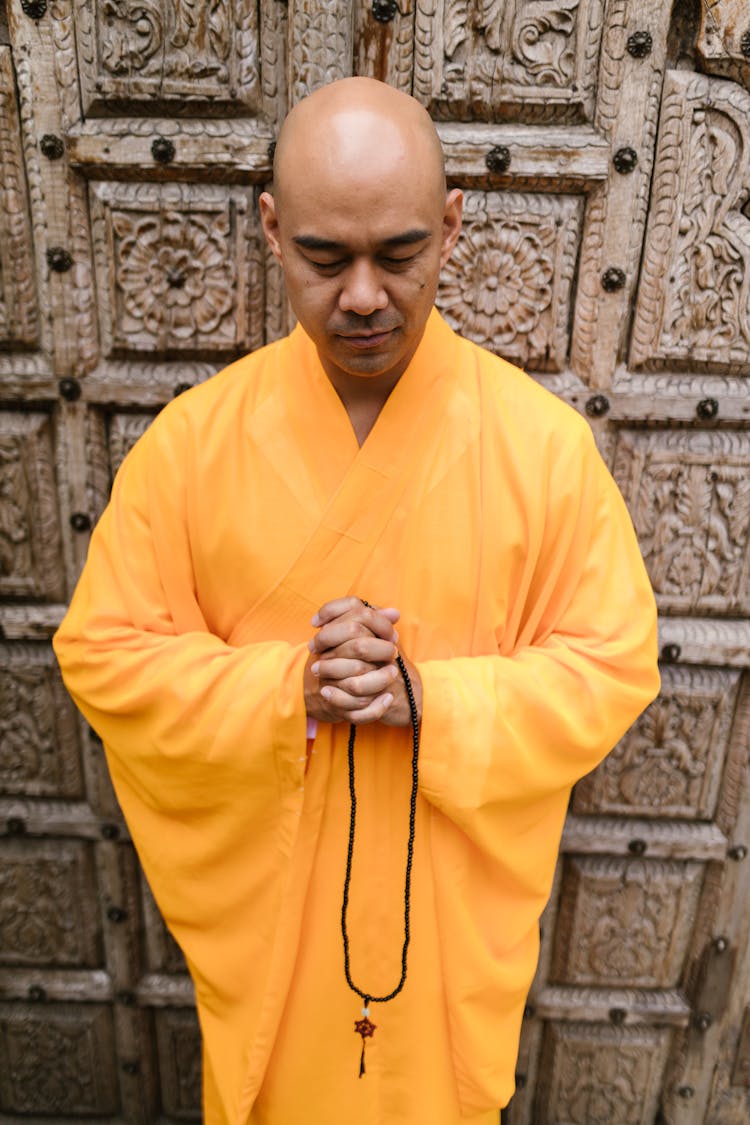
x=576 y=660
x=506 y=734
x=205 y=742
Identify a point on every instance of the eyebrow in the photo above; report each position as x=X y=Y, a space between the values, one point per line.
x=405 y=238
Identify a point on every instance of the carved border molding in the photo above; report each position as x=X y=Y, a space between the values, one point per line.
x=602 y=835
x=707 y=641
x=555 y=159
x=234 y=151
x=629 y=91
x=592 y=1005
x=18 y=309
x=320 y=44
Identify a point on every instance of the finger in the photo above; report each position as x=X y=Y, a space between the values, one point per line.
x=348 y=628
x=335 y=608
x=340 y=668
x=369 y=684
x=344 y=609
x=366 y=650
x=374 y=712
x=343 y=701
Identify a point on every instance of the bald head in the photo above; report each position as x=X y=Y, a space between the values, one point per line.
x=361 y=224
x=359 y=130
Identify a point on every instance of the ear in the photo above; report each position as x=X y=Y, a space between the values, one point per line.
x=454 y=205
x=270 y=223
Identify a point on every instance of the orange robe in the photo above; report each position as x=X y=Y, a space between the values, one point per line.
x=479 y=506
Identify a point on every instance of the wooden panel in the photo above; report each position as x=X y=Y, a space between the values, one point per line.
x=693 y=307
x=600 y=1075
x=197 y=58
x=671 y=761
x=179 y=269
x=178 y=1038
x=39 y=740
x=508 y=284
x=30 y=541
x=624 y=923
x=689 y=496
x=49 y=913
x=57 y=1060
x=523 y=58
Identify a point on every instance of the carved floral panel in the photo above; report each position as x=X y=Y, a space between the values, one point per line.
x=184 y=56
x=489 y=60
x=48 y=914
x=179 y=269
x=39 y=747
x=693 y=309
x=30 y=547
x=689 y=498
x=179 y=1044
x=624 y=923
x=595 y=1075
x=18 y=308
x=57 y=1060
x=671 y=761
x=507 y=285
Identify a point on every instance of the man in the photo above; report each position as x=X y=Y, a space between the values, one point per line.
x=374 y=455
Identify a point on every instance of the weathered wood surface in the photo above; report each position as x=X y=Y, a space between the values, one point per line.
x=603 y=147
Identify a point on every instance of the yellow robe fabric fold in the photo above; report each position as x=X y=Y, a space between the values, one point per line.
x=479 y=506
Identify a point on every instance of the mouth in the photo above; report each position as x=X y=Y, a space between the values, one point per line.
x=364 y=340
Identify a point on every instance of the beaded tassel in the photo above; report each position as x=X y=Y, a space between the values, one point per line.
x=365 y=1027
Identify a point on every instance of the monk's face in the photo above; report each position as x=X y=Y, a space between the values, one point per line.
x=361 y=224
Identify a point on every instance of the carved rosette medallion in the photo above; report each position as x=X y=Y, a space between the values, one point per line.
x=693 y=309
x=39 y=751
x=18 y=308
x=689 y=498
x=487 y=60
x=624 y=923
x=671 y=761
x=600 y=1075
x=188 y=56
x=30 y=544
x=507 y=284
x=175 y=265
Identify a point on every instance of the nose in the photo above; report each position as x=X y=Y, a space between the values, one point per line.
x=362 y=291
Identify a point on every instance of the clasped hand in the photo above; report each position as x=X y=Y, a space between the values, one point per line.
x=351 y=675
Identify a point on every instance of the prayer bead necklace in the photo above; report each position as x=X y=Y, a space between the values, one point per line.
x=365 y=1027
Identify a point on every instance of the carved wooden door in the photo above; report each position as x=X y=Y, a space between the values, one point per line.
x=604 y=149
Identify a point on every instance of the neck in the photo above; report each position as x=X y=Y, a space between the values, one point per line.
x=363 y=397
